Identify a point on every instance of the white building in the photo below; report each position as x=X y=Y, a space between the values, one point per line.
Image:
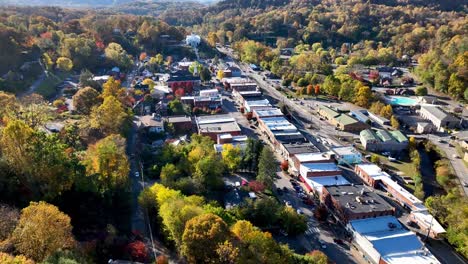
x=438 y=117
x=209 y=93
x=383 y=240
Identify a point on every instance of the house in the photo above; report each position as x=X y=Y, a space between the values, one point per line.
x=351 y=202
x=380 y=140
x=383 y=240
x=214 y=125
x=428 y=99
x=438 y=117
x=379 y=119
x=341 y=121
x=151 y=123
x=369 y=172
x=180 y=124
x=347 y=155
x=424 y=128
x=249 y=106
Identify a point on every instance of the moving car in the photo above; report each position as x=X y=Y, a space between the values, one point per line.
x=137 y=174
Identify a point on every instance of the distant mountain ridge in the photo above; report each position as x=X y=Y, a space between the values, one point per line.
x=87 y=3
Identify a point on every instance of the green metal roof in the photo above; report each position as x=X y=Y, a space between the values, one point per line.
x=330 y=112
x=383 y=135
x=368 y=134
x=400 y=137
x=345 y=120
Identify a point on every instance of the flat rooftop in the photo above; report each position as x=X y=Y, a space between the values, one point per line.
x=394 y=243
x=372 y=170
x=263 y=113
x=358 y=199
x=179 y=119
x=298 y=148
x=312 y=157
x=344 y=151
x=217 y=124
x=318 y=182
x=263 y=102
x=319 y=167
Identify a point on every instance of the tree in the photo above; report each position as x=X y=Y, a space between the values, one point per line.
x=205 y=74
x=412 y=143
x=9 y=217
x=175 y=107
x=110 y=117
x=212 y=39
x=143 y=56
x=195 y=68
x=48 y=63
x=267 y=167
x=421 y=91
x=169 y=174
x=394 y=122
x=256 y=186
x=42 y=230
x=227 y=253
x=85 y=99
x=331 y=85
x=208 y=172
x=162 y=259
x=317 y=257
x=64 y=64
x=66 y=257
x=302 y=82
x=456 y=86
x=387 y=111
x=375 y=159
x=363 y=96
x=111 y=87
x=138 y=251
x=284 y=165
x=292 y=222
x=321 y=213
x=117 y=55
x=317 y=89
x=202 y=237
x=310 y=89
x=231 y=156
x=106 y=162
x=9 y=259
x=220 y=74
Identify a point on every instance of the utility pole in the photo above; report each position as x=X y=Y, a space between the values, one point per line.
x=146 y=214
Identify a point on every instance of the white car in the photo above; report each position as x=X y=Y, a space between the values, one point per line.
x=137 y=174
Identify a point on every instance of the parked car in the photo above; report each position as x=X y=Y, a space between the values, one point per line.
x=279 y=191
x=322 y=244
x=285 y=190
x=137 y=174
x=299 y=211
x=338 y=241
x=287 y=203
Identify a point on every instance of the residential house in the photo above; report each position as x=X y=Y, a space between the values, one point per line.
x=150 y=123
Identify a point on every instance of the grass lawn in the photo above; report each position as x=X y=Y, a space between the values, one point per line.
x=461 y=153
x=406 y=167
x=48 y=87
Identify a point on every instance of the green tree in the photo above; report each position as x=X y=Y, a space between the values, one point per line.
x=331 y=85
x=456 y=86
x=205 y=74
x=51 y=230
x=169 y=174
x=421 y=91
x=292 y=222
x=208 y=172
x=203 y=235
x=107 y=164
x=375 y=159
x=175 y=107
x=48 y=63
x=85 y=99
x=267 y=167
x=110 y=117
x=64 y=64
x=117 y=55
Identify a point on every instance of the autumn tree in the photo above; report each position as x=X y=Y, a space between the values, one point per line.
x=317 y=257
x=117 y=55
x=363 y=95
x=110 y=117
x=317 y=89
x=267 y=167
x=169 y=174
x=212 y=39
x=107 y=164
x=10 y=259
x=386 y=111
x=64 y=64
x=51 y=230
x=394 y=122
x=231 y=156
x=111 y=87
x=85 y=99
x=203 y=235
x=331 y=85
x=138 y=251
x=310 y=89
x=220 y=74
